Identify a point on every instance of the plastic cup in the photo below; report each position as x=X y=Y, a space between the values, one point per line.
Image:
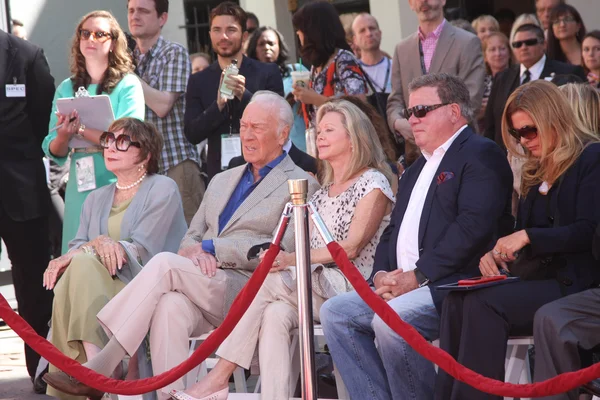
x=300 y=78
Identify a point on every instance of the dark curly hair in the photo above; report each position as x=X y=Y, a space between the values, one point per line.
x=323 y=32
x=119 y=60
x=554 y=51
x=150 y=139
x=283 y=48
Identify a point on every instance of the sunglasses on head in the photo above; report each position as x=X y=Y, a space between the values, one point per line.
x=528 y=43
x=99 y=36
x=527 y=132
x=122 y=142
x=421 y=111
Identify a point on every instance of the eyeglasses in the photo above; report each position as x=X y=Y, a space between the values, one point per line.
x=99 y=36
x=421 y=111
x=566 y=20
x=528 y=43
x=527 y=132
x=122 y=142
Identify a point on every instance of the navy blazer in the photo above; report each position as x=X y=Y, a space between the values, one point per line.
x=462 y=212
x=202 y=118
x=578 y=205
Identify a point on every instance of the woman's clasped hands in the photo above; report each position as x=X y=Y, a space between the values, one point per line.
x=504 y=252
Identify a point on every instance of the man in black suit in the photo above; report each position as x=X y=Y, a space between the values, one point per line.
x=449 y=205
x=529 y=46
x=25 y=106
x=208 y=114
x=300 y=158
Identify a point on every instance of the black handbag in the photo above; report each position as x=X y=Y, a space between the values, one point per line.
x=546 y=266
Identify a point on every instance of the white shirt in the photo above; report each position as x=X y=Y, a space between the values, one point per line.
x=535 y=70
x=407 y=247
x=380 y=74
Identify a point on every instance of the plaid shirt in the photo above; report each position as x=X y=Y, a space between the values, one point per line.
x=429 y=43
x=166 y=67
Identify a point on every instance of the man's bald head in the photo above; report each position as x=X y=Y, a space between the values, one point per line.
x=366 y=33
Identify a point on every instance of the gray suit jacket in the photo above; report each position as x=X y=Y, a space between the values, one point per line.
x=458 y=52
x=253 y=223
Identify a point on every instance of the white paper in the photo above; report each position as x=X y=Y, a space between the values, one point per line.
x=231 y=146
x=95 y=112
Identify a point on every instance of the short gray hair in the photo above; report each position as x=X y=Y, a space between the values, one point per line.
x=450 y=89
x=285 y=115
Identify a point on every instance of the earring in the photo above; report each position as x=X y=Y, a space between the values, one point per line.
x=141 y=168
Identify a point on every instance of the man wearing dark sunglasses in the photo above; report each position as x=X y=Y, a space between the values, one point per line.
x=529 y=47
x=451 y=203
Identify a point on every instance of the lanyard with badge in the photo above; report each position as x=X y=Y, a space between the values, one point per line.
x=231 y=145
x=84 y=167
x=16 y=89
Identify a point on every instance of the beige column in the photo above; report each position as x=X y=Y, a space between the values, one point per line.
x=274 y=13
x=396 y=21
x=590 y=12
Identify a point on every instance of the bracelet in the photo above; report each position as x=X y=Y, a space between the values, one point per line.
x=81 y=131
x=89 y=250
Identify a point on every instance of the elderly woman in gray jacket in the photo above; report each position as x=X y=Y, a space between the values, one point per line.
x=122 y=226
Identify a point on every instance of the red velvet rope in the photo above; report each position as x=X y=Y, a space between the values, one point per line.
x=559 y=384
x=103 y=383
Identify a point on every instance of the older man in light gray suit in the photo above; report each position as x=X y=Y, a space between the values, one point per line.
x=186 y=294
x=436 y=47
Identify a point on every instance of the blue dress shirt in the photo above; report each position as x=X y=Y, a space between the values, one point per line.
x=243 y=189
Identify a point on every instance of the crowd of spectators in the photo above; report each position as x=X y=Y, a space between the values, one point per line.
x=472 y=151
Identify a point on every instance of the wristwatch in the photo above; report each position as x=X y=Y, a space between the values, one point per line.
x=422 y=280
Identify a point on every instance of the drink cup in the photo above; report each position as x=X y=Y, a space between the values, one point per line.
x=300 y=78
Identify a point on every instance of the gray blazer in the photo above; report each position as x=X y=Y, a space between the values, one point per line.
x=254 y=222
x=153 y=222
x=458 y=52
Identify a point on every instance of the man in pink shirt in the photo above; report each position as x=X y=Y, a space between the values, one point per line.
x=436 y=47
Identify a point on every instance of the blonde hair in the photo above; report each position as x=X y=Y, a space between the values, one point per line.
x=367 y=151
x=585 y=102
x=486 y=42
x=120 y=62
x=522 y=20
x=485 y=18
x=562 y=137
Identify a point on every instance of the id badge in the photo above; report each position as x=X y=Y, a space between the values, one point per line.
x=15 y=90
x=231 y=146
x=86 y=177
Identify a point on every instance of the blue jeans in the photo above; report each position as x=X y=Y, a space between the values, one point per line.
x=374 y=362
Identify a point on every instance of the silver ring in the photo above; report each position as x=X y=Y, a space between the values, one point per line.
x=503 y=256
x=496 y=252
x=277 y=262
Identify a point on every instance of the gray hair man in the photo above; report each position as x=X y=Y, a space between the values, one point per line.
x=177 y=296
x=449 y=207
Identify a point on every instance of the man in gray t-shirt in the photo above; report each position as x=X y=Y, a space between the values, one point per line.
x=378 y=66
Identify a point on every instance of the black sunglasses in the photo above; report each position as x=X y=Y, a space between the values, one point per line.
x=528 y=43
x=99 y=36
x=527 y=132
x=122 y=142
x=421 y=111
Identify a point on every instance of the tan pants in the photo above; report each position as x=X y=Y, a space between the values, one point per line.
x=268 y=321
x=191 y=186
x=172 y=299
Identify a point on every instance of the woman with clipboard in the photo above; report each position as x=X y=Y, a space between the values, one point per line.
x=101 y=64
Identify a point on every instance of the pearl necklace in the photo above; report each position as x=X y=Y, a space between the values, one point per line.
x=134 y=184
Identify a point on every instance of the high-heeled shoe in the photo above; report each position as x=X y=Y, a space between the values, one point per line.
x=220 y=395
x=67 y=384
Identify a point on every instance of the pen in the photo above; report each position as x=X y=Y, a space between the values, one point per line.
x=61 y=125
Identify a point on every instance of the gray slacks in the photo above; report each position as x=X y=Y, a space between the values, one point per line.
x=561 y=329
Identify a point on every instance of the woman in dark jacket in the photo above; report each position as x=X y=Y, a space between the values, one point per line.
x=557 y=217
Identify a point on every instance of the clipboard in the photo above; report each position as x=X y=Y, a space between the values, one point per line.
x=94 y=112
x=456 y=287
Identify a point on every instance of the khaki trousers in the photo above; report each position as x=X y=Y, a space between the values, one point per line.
x=269 y=320
x=191 y=186
x=173 y=300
